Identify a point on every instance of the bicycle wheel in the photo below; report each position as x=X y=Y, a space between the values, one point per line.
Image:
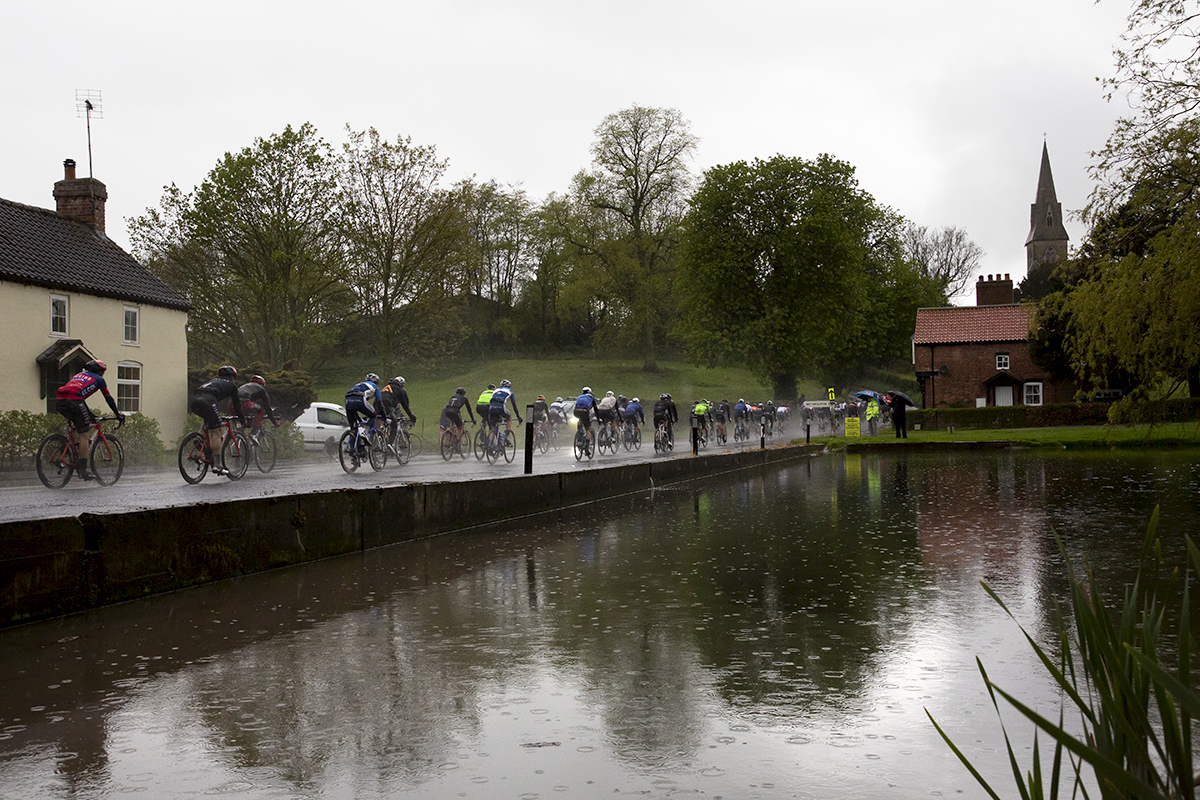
x=493 y=446
x=347 y=454
x=55 y=461
x=579 y=444
x=637 y=438
x=541 y=440
x=192 y=465
x=448 y=444
x=107 y=460
x=480 y=445
x=376 y=450
x=510 y=446
x=415 y=443
x=264 y=451
x=235 y=456
x=553 y=437
x=404 y=447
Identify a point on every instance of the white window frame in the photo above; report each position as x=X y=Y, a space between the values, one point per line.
x=1040 y=392
x=129 y=402
x=1002 y=361
x=137 y=325
x=66 y=315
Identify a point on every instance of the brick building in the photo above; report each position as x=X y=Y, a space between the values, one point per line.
x=979 y=355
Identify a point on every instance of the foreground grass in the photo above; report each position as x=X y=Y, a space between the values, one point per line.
x=1182 y=434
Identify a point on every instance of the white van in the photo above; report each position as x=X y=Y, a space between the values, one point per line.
x=322 y=426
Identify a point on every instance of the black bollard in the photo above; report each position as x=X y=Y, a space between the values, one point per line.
x=807 y=433
x=529 y=440
x=762 y=434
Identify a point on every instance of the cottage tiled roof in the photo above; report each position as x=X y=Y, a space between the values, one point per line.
x=952 y=325
x=39 y=247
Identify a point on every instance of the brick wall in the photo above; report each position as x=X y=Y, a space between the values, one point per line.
x=969 y=366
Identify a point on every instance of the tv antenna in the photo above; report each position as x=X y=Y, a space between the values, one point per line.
x=87 y=103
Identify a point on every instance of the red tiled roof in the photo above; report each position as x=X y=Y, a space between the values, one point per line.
x=1008 y=323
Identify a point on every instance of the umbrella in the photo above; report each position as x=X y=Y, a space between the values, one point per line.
x=903 y=397
x=869 y=394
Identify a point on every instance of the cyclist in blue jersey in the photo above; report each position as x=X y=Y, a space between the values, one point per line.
x=634 y=413
x=585 y=411
x=500 y=398
x=364 y=400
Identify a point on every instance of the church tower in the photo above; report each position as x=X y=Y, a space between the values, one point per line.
x=1047 y=240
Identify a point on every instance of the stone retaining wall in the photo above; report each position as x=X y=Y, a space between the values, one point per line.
x=53 y=567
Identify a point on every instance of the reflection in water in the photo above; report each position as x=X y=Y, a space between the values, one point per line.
x=774 y=633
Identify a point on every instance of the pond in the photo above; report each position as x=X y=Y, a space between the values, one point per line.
x=775 y=632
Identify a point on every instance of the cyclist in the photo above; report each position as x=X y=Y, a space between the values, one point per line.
x=484 y=403
x=500 y=397
x=606 y=411
x=541 y=410
x=700 y=412
x=452 y=413
x=665 y=413
x=769 y=416
x=741 y=416
x=364 y=399
x=256 y=403
x=204 y=404
x=558 y=413
x=721 y=413
x=585 y=408
x=395 y=397
x=634 y=414
x=71 y=402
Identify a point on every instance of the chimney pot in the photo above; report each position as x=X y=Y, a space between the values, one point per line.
x=69 y=169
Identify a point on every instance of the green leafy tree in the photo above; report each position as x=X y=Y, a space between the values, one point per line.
x=789 y=265
x=623 y=219
x=257 y=251
x=405 y=238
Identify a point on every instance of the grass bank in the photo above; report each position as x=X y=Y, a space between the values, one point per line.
x=1176 y=434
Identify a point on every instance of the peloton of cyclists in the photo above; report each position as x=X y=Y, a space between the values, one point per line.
x=204 y=404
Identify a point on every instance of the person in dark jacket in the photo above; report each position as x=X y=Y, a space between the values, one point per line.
x=897 y=404
x=205 y=405
x=256 y=402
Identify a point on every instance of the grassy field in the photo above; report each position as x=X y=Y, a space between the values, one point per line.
x=554 y=377
x=557 y=375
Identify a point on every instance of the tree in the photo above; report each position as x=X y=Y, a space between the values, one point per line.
x=789 y=265
x=405 y=239
x=1158 y=72
x=500 y=224
x=257 y=251
x=946 y=256
x=625 y=216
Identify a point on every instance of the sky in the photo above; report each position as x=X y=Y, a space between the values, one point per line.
x=942 y=107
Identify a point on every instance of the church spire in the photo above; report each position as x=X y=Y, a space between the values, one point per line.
x=1047 y=240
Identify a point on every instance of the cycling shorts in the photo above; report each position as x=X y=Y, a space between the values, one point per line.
x=253 y=412
x=584 y=415
x=204 y=406
x=498 y=414
x=77 y=413
x=482 y=410
x=451 y=416
x=608 y=415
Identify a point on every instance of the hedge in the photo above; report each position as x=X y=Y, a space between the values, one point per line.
x=1058 y=415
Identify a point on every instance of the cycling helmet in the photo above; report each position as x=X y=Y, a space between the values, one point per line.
x=741 y=400
x=608 y=394
x=258 y=379
x=491 y=386
x=662 y=397
x=227 y=372
x=460 y=390
x=587 y=390
x=668 y=395
x=558 y=400
x=505 y=384
x=95 y=366
x=372 y=378
x=635 y=400
x=621 y=397
x=542 y=397
x=398 y=379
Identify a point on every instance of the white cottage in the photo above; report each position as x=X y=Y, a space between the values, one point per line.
x=69 y=294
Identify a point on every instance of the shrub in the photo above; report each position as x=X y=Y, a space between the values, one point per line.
x=20 y=434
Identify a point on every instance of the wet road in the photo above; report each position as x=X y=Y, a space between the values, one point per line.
x=24 y=497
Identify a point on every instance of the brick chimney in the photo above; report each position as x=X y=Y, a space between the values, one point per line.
x=994 y=291
x=80 y=198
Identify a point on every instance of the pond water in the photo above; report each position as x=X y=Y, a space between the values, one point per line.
x=768 y=633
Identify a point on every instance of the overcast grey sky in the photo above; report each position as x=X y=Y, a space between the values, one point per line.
x=941 y=106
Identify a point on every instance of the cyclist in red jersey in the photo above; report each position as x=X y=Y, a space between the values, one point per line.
x=71 y=402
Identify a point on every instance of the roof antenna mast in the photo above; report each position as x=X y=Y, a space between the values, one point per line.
x=87 y=103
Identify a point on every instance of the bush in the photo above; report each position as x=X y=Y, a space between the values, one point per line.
x=1058 y=415
x=140 y=438
x=20 y=434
